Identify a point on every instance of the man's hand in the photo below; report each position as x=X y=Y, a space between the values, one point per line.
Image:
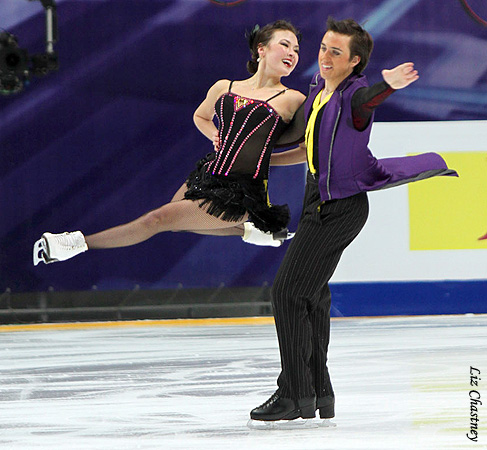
x=401 y=76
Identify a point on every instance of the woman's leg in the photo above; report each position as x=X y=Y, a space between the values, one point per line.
x=248 y=232
x=237 y=230
x=179 y=195
x=180 y=215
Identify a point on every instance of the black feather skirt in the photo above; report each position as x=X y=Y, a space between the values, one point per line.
x=231 y=197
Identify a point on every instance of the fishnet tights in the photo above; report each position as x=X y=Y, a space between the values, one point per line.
x=177 y=215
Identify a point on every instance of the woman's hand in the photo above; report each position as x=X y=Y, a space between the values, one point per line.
x=401 y=76
x=216 y=141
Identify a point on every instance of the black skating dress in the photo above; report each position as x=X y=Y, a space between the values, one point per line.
x=233 y=181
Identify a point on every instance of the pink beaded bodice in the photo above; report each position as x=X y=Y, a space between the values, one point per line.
x=248 y=130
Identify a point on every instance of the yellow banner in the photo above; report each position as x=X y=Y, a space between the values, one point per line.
x=447 y=213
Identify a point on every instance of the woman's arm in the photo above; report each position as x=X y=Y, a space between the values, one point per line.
x=290 y=157
x=294 y=133
x=203 y=116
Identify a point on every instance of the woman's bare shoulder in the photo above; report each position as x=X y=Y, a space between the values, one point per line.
x=296 y=98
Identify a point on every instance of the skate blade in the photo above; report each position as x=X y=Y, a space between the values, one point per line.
x=40 y=253
x=297 y=424
x=327 y=423
x=283 y=235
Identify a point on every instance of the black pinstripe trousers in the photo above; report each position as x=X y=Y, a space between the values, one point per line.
x=301 y=297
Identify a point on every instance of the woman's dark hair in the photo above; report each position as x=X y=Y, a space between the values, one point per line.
x=361 y=43
x=263 y=36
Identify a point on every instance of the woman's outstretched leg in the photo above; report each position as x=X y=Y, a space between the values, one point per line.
x=178 y=215
x=183 y=215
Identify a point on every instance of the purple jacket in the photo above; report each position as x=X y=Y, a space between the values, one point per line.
x=346 y=165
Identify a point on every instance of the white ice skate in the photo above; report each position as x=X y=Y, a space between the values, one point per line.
x=59 y=247
x=252 y=235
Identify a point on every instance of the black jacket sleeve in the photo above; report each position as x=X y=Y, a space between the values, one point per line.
x=366 y=100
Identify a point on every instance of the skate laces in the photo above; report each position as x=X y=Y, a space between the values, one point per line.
x=271 y=400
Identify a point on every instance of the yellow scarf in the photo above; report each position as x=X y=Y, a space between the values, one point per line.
x=310 y=126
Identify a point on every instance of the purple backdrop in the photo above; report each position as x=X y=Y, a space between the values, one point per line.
x=110 y=135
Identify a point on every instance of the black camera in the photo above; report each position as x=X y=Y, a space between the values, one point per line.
x=16 y=67
x=14 y=64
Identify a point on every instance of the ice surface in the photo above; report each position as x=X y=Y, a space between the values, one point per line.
x=400 y=383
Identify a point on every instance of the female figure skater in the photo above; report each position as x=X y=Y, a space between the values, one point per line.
x=229 y=186
x=339 y=114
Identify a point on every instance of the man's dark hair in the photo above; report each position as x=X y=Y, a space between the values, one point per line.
x=361 y=43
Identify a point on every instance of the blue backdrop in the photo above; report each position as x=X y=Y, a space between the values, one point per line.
x=110 y=135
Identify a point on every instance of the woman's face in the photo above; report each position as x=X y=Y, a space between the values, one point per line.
x=281 y=54
x=334 y=57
